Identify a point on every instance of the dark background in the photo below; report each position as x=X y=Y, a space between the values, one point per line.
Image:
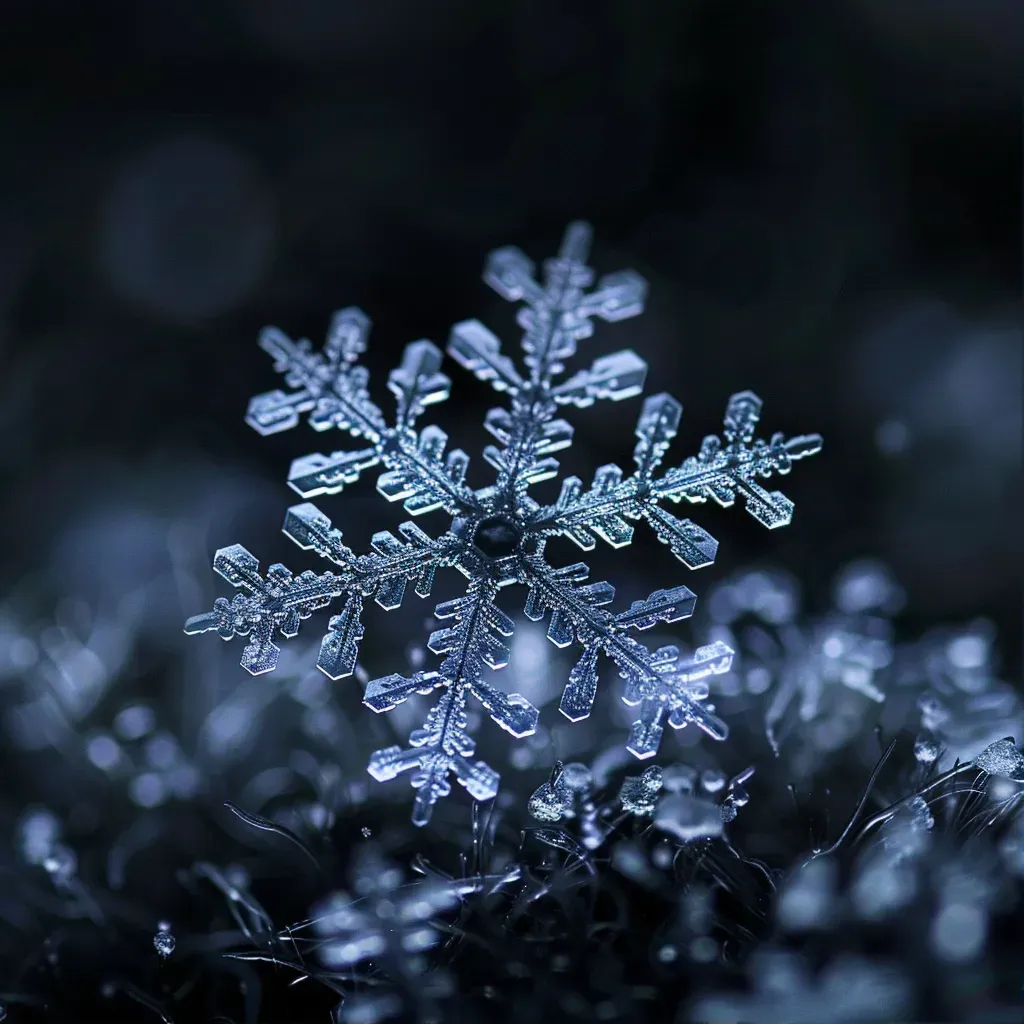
x=824 y=196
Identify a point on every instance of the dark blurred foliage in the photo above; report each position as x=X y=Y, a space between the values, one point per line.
x=825 y=197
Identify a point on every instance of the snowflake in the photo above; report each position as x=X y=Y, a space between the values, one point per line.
x=497 y=534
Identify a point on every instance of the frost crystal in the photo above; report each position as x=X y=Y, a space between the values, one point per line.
x=164 y=942
x=639 y=793
x=557 y=798
x=497 y=534
x=1002 y=758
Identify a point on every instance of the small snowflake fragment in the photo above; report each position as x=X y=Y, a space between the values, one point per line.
x=496 y=535
x=1003 y=758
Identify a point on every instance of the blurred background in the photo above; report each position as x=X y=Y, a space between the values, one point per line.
x=825 y=198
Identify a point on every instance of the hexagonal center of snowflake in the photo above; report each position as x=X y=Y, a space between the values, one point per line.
x=497 y=537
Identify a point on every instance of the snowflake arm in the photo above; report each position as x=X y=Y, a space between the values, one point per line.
x=718 y=472
x=478 y=350
x=332 y=388
x=723 y=472
x=279 y=601
x=474 y=643
x=674 y=695
x=557 y=314
x=329 y=385
x=271 y=604
x=657 y=681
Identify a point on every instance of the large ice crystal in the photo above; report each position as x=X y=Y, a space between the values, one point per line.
x=497 y=534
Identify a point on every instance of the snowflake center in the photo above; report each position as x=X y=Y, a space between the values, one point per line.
x=497 y=537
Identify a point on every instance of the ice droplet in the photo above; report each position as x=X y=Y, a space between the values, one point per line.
x=639 y=793
x=1003 y=758
x=164 y=942
x=926 y=750
x=689 y=818
x=553 y=800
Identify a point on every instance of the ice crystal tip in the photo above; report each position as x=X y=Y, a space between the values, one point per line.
x=497 y=534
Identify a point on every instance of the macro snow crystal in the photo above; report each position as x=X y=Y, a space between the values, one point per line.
x=497 y=534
